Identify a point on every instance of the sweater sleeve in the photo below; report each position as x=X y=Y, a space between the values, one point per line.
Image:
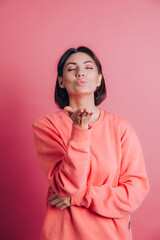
x=126 y=197
x=65 y=168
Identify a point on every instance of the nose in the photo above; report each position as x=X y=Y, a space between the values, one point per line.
x=79 y=73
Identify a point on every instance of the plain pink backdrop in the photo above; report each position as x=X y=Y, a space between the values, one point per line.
x=125 y=35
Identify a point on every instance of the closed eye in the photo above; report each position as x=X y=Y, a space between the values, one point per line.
x=75 y=68
x=71 y=69
x=89 y=68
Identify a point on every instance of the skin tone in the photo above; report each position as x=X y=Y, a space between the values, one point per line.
x=80 y=78
x=58 y=201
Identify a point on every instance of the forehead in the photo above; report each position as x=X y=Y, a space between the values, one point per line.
x=79 y=57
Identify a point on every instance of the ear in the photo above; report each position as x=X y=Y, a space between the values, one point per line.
x=61 y=82
x=99 y=80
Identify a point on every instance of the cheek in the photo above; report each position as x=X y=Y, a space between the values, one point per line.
x=68 y=84
x=94 y=78
x=67 y=79
x=93 y=75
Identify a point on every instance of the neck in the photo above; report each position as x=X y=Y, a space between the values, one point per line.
x=82 y=102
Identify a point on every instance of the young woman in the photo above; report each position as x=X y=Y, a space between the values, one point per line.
x=91 y=158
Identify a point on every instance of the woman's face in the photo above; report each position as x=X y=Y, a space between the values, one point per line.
x=80 y=75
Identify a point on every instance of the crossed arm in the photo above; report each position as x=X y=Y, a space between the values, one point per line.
x=117 y=201
x=67 y=173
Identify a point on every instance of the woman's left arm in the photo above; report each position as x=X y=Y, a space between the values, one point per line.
x=133 y=186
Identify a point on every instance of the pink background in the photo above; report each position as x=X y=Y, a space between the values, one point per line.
x=125 y=35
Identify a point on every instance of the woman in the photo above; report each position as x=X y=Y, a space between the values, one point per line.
x=91 y=158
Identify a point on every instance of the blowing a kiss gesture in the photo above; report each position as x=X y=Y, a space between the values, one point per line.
x=81 y=117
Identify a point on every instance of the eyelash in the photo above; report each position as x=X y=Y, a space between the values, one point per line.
x=75 y=68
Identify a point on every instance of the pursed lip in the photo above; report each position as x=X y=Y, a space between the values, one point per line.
x=81 y=81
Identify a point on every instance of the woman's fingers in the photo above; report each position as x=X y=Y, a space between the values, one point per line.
x=63 y=207
x=62 y=204
x=85 y=112
x=52 y=197
x=85 y=115
x=80 y=117
x=83 y=118
x=78 y=112
x=58 y=201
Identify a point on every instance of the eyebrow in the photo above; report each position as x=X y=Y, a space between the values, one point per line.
x=76 y=63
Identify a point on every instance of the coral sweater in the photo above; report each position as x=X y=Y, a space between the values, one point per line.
x=101 y=168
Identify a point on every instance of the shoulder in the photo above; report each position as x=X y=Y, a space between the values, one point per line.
x=50 y=118
x=118 y=122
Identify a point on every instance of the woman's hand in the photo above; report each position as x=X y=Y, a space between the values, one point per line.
x=58 y=201
x=81 y=117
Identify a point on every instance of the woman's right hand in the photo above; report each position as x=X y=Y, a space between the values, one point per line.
x=80 y=117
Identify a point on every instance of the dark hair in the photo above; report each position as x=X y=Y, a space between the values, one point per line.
x=61 y=96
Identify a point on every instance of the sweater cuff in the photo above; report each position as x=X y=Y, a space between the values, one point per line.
x=81 y=137
x=79 y=199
